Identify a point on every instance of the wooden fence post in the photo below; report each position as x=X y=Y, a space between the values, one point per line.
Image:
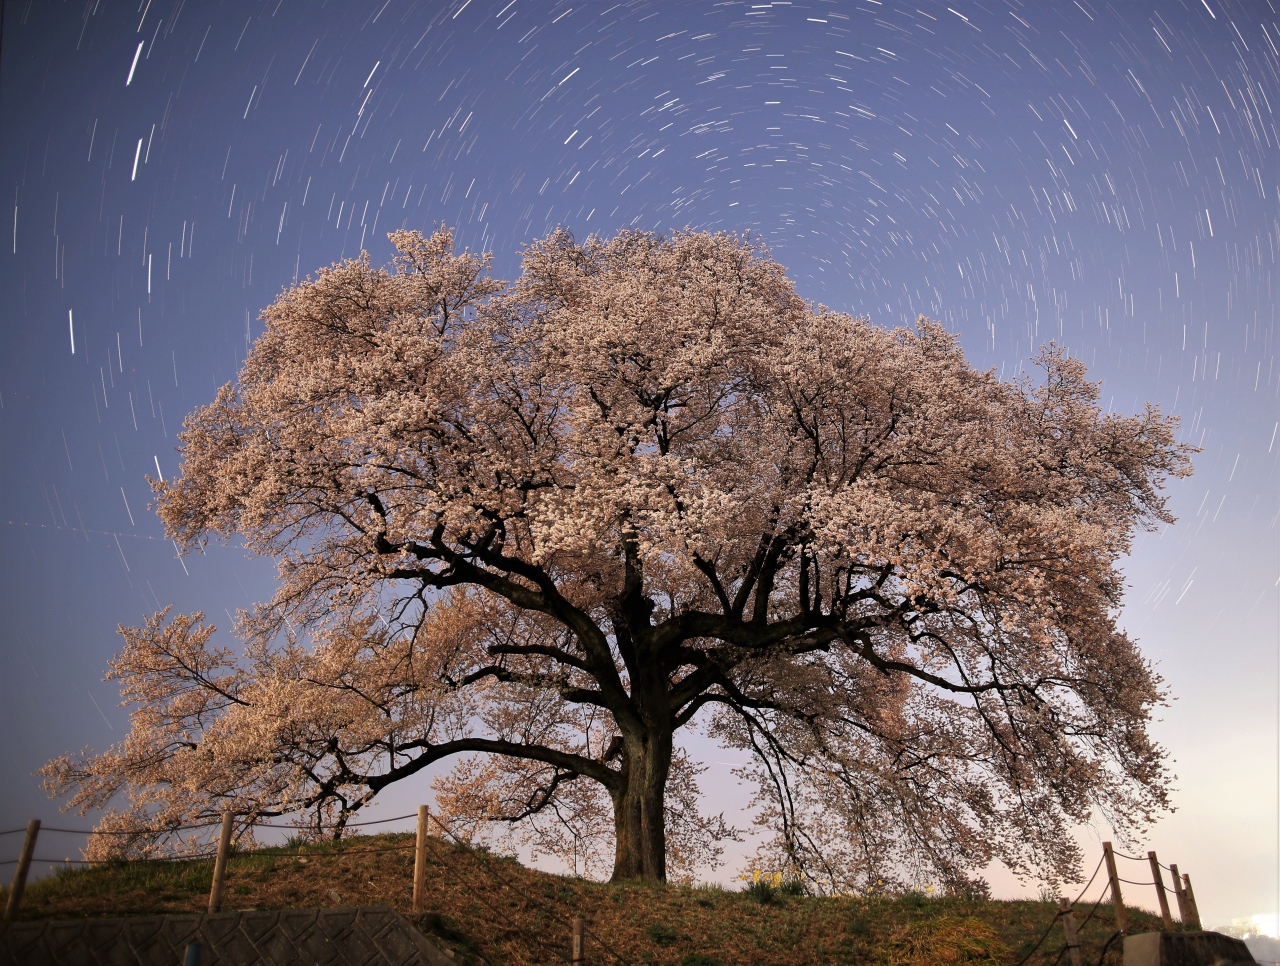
x=420 y=863
x=1158 y=879
x=1191 y=901
x=579 y=955
x=220 y=863
x=1184 y=911
x=24 y=866
x=1117 y=901
x=1069 y=929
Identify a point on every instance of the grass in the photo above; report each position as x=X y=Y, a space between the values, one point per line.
x=494 y=910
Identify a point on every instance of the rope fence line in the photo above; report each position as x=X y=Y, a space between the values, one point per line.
x=1096 y=870
x=1109 y=891
x=1107 y=945
x=1040 y=942
x=196 y=857
x=202 y=856
x=1061 y=915
x=1139 y=858
x=607 y=948
x=1096 y=906
x=327 y=854
x=1070 y=933
x=380 y=821
x=154 y=831
x=187 y=828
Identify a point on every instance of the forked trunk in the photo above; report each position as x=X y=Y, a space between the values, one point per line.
x=639 y=813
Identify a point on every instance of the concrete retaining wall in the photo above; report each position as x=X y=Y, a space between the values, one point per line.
x=365 y=936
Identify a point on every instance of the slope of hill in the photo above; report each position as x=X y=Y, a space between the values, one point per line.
x=495 y=911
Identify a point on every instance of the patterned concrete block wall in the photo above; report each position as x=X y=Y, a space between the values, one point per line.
x=367 y=936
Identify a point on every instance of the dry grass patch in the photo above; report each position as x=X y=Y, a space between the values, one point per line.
x=947 y=940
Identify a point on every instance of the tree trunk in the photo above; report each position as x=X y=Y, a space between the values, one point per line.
x=639 y=813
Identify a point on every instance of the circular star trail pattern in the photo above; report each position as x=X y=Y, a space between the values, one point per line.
x=1105 y=175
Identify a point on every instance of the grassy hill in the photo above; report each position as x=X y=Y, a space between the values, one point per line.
x=495 y=911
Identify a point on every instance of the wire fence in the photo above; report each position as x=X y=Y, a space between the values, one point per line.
x=201 y=856
x=192 y=857
x=526 y=897
x=380 y=821
x=172 y=829
x=139 y=833
x=169 y=829
x=484 y=860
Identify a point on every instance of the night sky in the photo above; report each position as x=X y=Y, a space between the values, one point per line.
x=1102 y=174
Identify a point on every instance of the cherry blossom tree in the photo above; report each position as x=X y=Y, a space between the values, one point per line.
x=541 y=528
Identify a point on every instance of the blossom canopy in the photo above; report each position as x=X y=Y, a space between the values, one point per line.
x=546 y=525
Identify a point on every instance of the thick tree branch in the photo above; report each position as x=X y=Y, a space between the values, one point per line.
x=431 y=753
